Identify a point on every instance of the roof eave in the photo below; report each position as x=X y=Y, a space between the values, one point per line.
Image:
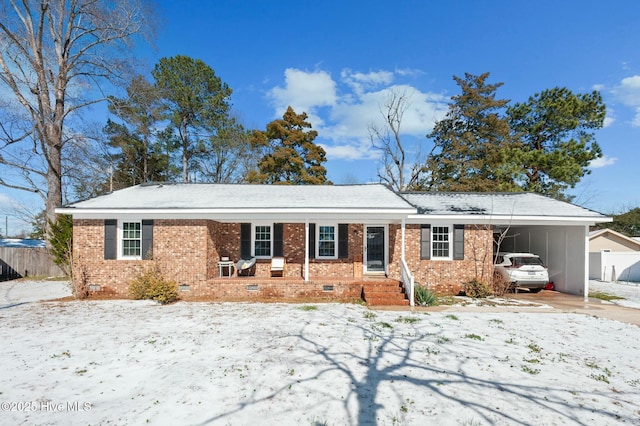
x=508 y=219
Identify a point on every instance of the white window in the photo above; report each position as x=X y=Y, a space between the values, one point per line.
x=441 y=242
x=131 y=240
x=327 y=241
x=262 y=241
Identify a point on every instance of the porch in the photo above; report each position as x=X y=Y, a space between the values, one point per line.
x=375 y=290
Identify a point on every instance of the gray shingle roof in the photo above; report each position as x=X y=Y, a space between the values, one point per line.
x=495 y=204
x=245 y=196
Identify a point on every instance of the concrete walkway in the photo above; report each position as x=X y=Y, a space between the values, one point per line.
x=543 y=302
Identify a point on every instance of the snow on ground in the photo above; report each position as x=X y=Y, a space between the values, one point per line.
x=629 y=290
x=22 y=291
x=136 y=362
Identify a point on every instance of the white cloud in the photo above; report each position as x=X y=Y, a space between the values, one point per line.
x=343 y=111
x=360 y=82
x=410 y=72
x=603 y=161
x=628 y=92
x=609 y=118
x=304 y=91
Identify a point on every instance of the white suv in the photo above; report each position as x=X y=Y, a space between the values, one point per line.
x=522 y=270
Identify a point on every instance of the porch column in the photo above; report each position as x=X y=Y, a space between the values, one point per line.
x=306 y=250
x=402 y=250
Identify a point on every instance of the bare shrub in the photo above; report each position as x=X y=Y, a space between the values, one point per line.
x=79 y=281
x=501 y=285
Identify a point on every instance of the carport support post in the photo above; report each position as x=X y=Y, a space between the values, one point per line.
x=586 y=264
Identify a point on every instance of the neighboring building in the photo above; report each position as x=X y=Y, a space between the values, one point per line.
x=338 y=241
x=608 y=239
x=613 y=256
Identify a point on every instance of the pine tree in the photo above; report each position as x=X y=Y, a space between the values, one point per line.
x=291 y=156
x=556 y=131
x=469 y=143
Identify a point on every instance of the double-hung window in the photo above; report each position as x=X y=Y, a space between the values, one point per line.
x=262 y=240
x=327 y=238
x=131 y=239
x=441 y=242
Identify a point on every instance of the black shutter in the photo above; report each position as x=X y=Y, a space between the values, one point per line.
x=278 y=240
x=458 y=242
x=343 y=240
x=245 y=241
x=312 y=240
x=110 y=232
x=147 y=239
x=425 y=242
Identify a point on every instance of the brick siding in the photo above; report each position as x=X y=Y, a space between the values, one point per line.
x=187 y=251
x=449 y=276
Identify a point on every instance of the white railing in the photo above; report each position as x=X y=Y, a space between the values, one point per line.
x=408 y=281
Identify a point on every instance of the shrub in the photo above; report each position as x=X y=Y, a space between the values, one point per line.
x=477 y=289
x=151 y=284
x=79 y=282
x=61 y=242
x=501 y=285
x=424 y=296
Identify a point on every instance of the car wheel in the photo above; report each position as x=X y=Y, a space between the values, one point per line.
x=535 y=290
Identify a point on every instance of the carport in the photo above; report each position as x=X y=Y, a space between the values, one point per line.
x=564 y=248
x=555 y=230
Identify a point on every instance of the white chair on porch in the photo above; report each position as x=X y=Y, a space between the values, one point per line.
x=277 y=267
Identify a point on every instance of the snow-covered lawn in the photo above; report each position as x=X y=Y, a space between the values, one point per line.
x=628 y=290
x=133 y=362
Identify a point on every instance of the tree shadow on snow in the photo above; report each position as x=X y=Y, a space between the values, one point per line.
x=397 y=359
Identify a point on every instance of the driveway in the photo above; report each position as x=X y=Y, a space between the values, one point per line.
x=18 y=292
x=625 y=310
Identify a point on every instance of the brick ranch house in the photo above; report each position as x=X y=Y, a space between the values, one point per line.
x=338 y=242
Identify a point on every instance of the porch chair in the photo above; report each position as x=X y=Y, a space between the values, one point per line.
x=277 y=267
x=245 y=267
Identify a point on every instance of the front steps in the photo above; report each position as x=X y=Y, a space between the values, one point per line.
x=384 y=293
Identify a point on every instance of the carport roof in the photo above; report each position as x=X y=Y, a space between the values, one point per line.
x=526 y=207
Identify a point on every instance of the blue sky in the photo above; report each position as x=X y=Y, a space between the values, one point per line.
x=337 y=60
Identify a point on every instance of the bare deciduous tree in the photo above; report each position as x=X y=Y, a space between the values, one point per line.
x=54 y=54
x=396 y=169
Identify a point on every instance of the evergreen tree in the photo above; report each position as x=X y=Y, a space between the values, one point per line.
x=291 y=156
x=469 y=143
x=555 y=128
x=195 y=98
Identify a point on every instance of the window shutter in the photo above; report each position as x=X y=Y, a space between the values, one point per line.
x=245 y=240
x=147 y=239
x=110 y=232
x=458 y=242
x=425 y=242
x=278 y=240
x=312 y=240
x=343 y=240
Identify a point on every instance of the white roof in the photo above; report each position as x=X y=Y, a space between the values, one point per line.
x=21 y=242
x=227 y=201
x=368 y=203
x=499 y=208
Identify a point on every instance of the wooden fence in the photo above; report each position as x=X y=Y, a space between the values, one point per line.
x=20 y=262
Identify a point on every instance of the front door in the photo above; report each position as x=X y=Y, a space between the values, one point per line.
x=374 y=249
